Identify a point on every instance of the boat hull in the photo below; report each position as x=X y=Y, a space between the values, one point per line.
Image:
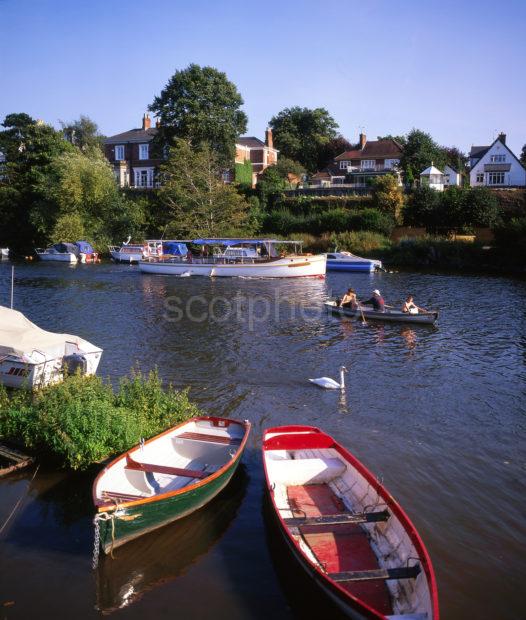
x=126 y=257
x=290 y=267
x=391 y=316
x=66 y=257
x=4 y=253
x=352 y=266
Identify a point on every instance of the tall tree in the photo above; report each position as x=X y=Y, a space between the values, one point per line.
x=455 y=158
x=301 y=133
x=419 y=151
x=83 y=133
x=200 y=105
x=331 y=149
x=387 y=195
x=201 y=204
x=523 y=156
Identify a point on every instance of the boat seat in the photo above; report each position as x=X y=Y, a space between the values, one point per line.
x=305 y=471
x=365 y=517
x=405 y=572
x=164 y=469
x=210 y=438
x=120 y=497
x=422 y=616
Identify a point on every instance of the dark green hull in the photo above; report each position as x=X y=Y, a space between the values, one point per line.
x=129 y=522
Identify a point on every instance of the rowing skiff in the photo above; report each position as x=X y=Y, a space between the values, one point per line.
x=166 y=478
x=394 y=316
x=347 y=532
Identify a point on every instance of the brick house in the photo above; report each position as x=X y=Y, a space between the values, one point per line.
x=260 y=154
x=130 y=155
x=356 y=168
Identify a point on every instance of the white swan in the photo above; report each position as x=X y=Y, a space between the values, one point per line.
x=331 y=384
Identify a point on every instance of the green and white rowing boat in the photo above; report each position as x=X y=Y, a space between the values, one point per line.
x=397 y=316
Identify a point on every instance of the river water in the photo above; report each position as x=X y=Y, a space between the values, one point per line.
x=438 y=413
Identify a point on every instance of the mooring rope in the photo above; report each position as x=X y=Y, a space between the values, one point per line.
x=17 y=505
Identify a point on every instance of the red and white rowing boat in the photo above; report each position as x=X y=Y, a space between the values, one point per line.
x=348 y=533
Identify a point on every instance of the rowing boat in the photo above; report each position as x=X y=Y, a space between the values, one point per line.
x=345 y=529
x=396 y=316
x=166 y=478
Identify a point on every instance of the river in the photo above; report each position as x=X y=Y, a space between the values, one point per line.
x=439 y=414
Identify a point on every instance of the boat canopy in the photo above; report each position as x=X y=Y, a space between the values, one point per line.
x=67 y=247
x=21 y=338
x=175 y=248
x=85 y=247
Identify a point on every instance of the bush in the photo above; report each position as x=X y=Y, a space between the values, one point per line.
x=360 y=242
x=512 y=237
x=82 y=420
x=373 y=220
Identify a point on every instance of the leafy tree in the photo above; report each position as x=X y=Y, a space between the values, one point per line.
x=455 y=158
x=387 y=195
x=271 y=182
x=201 y=204
x=200 y=105
x=288 y=168
x=301 y=133
x=523 y=156
x=331 y=149
x=419 y=151
x=68 y=227
x=83 y=133
x=423 y=208
x=482 y=207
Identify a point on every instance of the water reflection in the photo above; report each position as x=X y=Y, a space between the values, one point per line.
x=161 y=556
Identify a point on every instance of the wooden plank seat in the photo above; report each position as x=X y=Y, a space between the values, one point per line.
x=164 y=469
x=231 y=441
x=120 y=497
x=404 y=572
x=338 y=519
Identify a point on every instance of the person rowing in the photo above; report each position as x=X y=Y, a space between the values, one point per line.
x=376 y=301
x=410 y=306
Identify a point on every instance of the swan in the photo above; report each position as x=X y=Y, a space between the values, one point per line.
x=331 y=384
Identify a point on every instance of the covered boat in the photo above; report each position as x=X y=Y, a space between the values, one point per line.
x=31 y=357
x=86 y=252
x=252 y=258
x=345 y=261
x=59 y=252
x=166 y=478
x=396 y=316
x=345 y=529
x=4 y=253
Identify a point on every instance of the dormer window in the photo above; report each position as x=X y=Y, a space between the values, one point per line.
x=344 y=165
x=143 y=151
x=119 y=152
x=498 y=159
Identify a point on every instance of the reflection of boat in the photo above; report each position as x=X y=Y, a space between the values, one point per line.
x=4 y=253
x=345 y=529
x=60 y=252
x=163 y=555
x=31 y=357
x=397 y=316
x=166 y=478
x=253 y=258
x=345 y=261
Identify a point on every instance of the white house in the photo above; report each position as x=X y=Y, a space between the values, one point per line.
x=452 y=177
x=433 y=178
x=495 y=166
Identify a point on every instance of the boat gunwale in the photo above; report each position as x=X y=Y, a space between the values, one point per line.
x=190 y=487
x=297 y=433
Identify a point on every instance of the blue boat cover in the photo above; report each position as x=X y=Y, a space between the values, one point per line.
x=66 y=247
x=85 y=247
x=175 y=249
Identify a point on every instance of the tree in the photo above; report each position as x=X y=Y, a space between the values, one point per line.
x=67 y=227
x=301 y=133
x=455 y=158
x=423 y=208
x=523 y=156
x=201 y=204
x=331 y=149
x=83 y=133
x=290 y=170
x=387 y=195
x=200 y=105
x=419 y=151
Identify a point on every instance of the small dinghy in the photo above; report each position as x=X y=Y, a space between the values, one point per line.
x=396 y=316
x=346 y=261
x=166 y=478
x=347 y=532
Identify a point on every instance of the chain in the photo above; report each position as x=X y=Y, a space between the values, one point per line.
x=103 y=516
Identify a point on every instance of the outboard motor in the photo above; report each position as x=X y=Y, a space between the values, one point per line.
x=72 y=363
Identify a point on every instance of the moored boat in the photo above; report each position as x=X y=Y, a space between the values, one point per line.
x=31 y=357
x=4 y=253
x=86 y=252
x=166 y=478
x=345 y=529
x=249 y=258
x=345 y=261
x=59 y=252
x=395 y=316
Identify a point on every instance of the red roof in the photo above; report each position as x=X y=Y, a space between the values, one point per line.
x=376 y=148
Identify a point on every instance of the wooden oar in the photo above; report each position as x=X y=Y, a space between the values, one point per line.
x=364 y=322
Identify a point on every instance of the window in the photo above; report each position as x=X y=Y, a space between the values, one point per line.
x=143 y=177
x=498 y=159
x=480 y=177
x=344 y=165
x=368 y=164
x=496 y=178
x=119 y=152
x=143 y=151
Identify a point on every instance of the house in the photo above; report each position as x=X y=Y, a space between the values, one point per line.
x=452 y=177
x=131 y=157
x=260 y=154
x=357 y=168
x=495 y=166
x=432 y=177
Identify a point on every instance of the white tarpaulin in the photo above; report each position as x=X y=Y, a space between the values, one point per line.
x=20 y=337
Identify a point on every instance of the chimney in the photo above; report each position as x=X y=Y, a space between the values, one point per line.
x=502 y=137
x=146 y=122
x=268 y=138
x=157 y=123
x=363 y=140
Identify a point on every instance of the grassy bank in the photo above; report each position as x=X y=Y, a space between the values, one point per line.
x=84 y=420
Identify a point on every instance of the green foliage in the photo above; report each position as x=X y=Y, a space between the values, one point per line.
x=200 y=105
x=419 y=151
x=372 y=220
x=82 y=421
x=523 y=156
x=387 y=196
x=83 y=133
x=68 y=227
x=360 y=242
x=286 y=167
x=199 y=202
x=243 y=173
x=422 y=208
x=331 y=149
x=301 y=134
x=511 y=236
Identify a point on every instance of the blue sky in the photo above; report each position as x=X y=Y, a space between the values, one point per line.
x=454 y=69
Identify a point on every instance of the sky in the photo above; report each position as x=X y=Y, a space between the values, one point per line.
x=454 y=69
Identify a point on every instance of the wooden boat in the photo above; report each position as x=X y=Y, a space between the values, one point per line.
x=346 y=530
x=345 y=261
x=166 y=477
x=396 y=316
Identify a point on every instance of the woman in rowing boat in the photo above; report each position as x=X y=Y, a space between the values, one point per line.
x=410 y=307
x=349 y=300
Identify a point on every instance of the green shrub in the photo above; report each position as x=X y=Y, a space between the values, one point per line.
x=82 y=420
x=243 y=173
x=360 y=242
x=373 y=220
